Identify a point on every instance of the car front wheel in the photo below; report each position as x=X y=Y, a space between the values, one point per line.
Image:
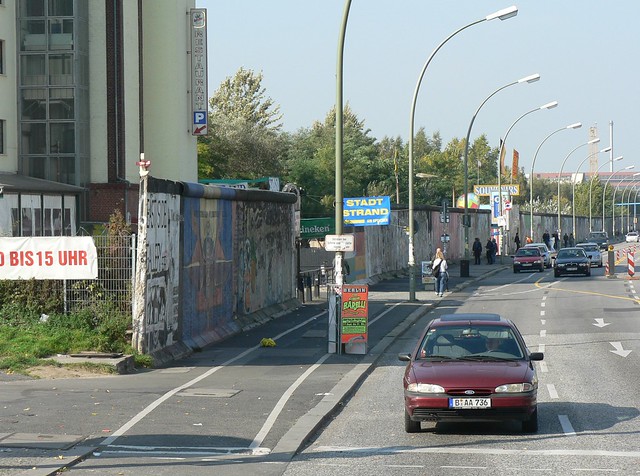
x=531 y=425
x=410 y=426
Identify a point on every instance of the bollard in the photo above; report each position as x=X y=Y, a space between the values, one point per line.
x=631 y=263
x=611 y=263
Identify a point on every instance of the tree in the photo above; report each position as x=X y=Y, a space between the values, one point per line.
x=244 y=139
x=311 y=163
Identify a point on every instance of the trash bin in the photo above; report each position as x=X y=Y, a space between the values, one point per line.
x=464 y=268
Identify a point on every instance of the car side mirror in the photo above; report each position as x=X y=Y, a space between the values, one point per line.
x=536 y=356
x=403 y=357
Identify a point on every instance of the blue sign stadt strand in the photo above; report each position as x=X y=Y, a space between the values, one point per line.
x=366 y=211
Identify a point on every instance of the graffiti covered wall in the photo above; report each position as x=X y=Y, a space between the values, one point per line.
x=208 y=257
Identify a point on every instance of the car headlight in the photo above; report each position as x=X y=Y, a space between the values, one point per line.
x=424 y=388
x=514 y=388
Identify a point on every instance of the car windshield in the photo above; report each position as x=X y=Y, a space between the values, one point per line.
x=589 y=247
x=599 y=236
x=571 y=253
x=469 y=342
x=528 y=252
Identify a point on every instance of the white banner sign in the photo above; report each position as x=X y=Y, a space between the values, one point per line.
x=60 y=257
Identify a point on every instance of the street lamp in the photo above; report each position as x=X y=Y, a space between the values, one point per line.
x=465 y=220
x=628 y=186
x=613 y=205
x=604 y=189
x=592 y=179
x=550 y=105
x=573 y=189
x=592 y=141
x=576 y=125
x=503 y=14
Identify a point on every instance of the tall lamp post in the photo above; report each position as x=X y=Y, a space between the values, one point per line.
x=604 y=190
x=630 y=188
x=613 y=205
x=503 y=14
x=592 y=141
x=465 y=220
x=550 y=105
x=592 y=179
x=573 y=189
x=576 y=125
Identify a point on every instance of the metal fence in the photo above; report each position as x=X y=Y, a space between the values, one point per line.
x=116 y=271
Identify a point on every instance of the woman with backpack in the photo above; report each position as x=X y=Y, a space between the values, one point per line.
x=439 y=272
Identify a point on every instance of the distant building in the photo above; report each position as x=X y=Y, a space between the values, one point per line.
x=86 y=87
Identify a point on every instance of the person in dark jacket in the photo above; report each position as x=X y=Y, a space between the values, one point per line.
x=477 y=250
x=489 y=251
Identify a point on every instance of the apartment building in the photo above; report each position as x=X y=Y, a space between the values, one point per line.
x=87 y=86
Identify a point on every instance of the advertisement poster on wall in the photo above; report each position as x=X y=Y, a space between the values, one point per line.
x=355 y=317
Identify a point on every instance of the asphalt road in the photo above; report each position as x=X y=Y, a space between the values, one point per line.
x=238 y=408
x=589 y=395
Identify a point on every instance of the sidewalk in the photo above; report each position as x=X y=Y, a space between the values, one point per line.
x=24 y=453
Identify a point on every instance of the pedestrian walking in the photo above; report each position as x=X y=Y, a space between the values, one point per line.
x=565 y=238
x=439 y=272
x=572 y=240
x=517 y=241
x=477 y=250
x=546 y=238
x=494 y=250
x=489 y=251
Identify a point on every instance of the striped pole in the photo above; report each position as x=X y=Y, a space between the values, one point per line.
x=631 y=263
x=606 y=268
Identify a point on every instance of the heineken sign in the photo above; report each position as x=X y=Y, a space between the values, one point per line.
x=317 y=227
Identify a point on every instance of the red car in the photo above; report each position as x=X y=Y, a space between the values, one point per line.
x=528 y=259
x=470 y=367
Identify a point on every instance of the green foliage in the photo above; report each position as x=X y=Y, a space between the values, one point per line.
x=244 y=139
x=42 y=296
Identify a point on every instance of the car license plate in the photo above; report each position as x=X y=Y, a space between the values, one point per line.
x=572 y=268
x=526 y=264
x=469 y=403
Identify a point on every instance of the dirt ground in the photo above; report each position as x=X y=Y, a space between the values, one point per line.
x=66 y=371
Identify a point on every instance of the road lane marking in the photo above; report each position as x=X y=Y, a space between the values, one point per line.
x=475 y=451
x=543 y=367
x=543 y=333
x=541 y=347
x=155 y=404
x=576 y=291
x=567 y=428
x=271 y=419
x=553 y=393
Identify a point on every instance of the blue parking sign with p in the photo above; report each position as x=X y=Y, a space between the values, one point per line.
x=199 y=117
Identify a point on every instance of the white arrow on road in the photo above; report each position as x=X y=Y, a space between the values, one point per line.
x=619 y=350
x=601 y=323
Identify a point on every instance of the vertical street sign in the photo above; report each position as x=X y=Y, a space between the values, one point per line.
x=199 y=94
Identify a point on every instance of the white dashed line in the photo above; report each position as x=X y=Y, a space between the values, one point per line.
x=567 y=428
x=553 y=393
x=543 y=367
x=541 y=347
x=543 y=333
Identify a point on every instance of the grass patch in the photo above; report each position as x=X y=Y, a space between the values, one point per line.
x=27 y=338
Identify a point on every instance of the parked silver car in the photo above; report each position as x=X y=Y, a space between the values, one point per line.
x=593 y=252
x=547 y=254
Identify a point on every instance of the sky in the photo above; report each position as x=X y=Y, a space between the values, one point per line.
x=586 y=52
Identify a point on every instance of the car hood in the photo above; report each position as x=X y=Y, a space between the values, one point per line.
x=571 y=260
x=455 y=374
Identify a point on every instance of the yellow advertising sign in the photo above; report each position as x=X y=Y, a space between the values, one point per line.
x=487 y=190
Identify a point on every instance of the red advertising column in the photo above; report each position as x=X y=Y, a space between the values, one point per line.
x=355 y=317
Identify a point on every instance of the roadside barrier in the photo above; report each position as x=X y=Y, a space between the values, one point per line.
x=631 y=263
